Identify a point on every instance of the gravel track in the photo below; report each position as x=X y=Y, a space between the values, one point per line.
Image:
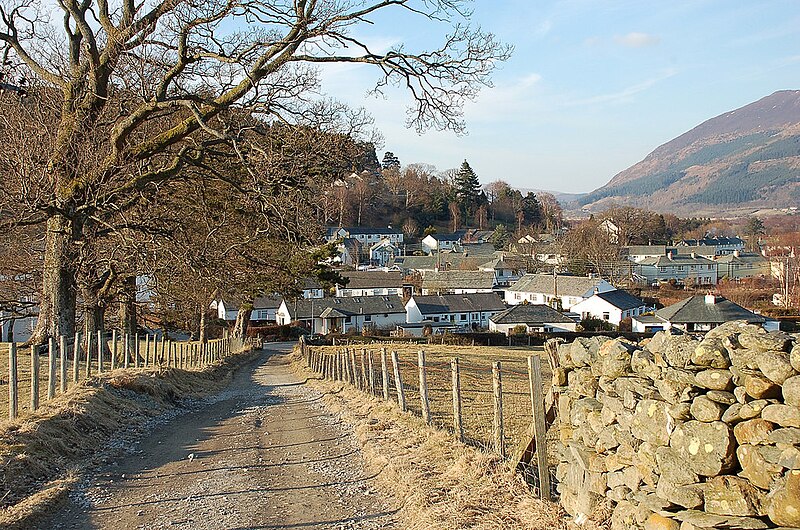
x=264 y=454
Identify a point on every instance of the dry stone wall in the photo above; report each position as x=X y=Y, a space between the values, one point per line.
x=680 y=432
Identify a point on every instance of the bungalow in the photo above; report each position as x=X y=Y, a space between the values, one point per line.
x=225 y=308
x=381 y=253
x=611 y=306
x=424 y=264
x=698 y=313
x=458 y=282
x=371 y=283
x=549 y=289
x=340 y=315
x=433 y=242
x=470 y=311
x=684 y=269
x=364 y=235
x=535 y=317
x=742 y=265
x=265 y=309
x=507 y=268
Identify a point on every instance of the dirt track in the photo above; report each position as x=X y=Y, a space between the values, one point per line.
x=263 y=454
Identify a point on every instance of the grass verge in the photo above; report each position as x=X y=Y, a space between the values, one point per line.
x=43 y=453
x=440 y=483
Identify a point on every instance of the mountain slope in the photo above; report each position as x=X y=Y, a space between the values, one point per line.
x=749 y=157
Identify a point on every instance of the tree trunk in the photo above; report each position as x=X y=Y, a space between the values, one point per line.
x=202 y=334
x=93 y=319
x=57 y=301
x=127 y=306
x=242 y=319
x=10 y=334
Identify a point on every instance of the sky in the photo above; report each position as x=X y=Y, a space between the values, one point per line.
x=592 y=86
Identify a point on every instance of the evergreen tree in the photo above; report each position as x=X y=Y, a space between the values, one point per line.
x=390 y=161
x=467 y=188
x=501 y=238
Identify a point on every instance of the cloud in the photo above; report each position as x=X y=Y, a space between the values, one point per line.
x=625 y=93
x=637 y=40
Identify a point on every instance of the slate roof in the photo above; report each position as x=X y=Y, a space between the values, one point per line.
x=711 y=241
x=428 y=263
x=458 y=279
x=695 y=309
x=531 y=314
x=750 y=257
x=267 y=302
x=458 y=303
x=621 y=299
x=567 y=285
x=372 y=279
x=675 y=260
x=359 y=230
x=367 y=305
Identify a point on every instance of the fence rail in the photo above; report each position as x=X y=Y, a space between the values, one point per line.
x=498 y=406
x=20 y=368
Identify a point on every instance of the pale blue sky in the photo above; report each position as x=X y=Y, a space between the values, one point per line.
x=593 y=86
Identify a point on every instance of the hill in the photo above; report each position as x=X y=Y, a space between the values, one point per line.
x=745 y=158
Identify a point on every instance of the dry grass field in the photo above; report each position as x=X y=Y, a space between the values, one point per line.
x=476 y=386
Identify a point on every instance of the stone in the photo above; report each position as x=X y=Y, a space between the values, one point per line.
x=680 y=411
x=784 y=502
x=783 y=415
x=758 y=387
x=580 y=352
x=672 y=350
x=711 y=352
x=642 y=388
x=594 y=420
x=564 y=357
x=645 y=462
x=707 y=448
x=703 y=409
x=755 y=467
x=676 y=385
x=688 y=496
x=733 y=329
x=585 y=435
x=787 y=456
x=753 y=409
x=672 y=467
x=643 y=364
x=714 y=379
x=613 y=358
x=775 y=340
x=791 y=391
x=744 y=359
x=652 y=423
x=607 y=439
x=794 y=357
x=582 y=382
x=721 y=396
x=624 y=515
x=659 y=522
x=787 y=435
x=708 y=520
x=754 y=432
x=559 y=376
x=741 y=394
x=775 y=365
x=732 y=414
x=728 y=495
x=564 y=405
x=618 y=494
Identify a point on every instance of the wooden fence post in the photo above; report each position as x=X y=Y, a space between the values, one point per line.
x=371 y=367
x=34 y=377
x=113 y=349
x=499 y=434
x=363 y=380
x=136 y=350
x=353 y=368
x=101 y=346
x=398 y=382
x=162 y=357
x=51 y=365
x=126 y=349
x=76 y=357
x=385 y=374
x=423 y=387
x=62 y=354
x=13 y=382
x=539 y=425
x=147 y=349
x=88 y=367
x=458 y=426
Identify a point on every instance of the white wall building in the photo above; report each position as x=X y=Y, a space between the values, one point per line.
x=547 y=289
x=611 y=306
x=465 y=310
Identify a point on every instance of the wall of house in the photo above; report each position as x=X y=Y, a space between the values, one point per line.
x=560 y=327
x=344 y=292
x=700 y=273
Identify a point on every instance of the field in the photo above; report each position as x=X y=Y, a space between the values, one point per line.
x=475 y=365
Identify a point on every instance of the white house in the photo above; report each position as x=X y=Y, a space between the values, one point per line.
x=371 y=283
x=367 y=236
x=225 y=308
x=611 y=306
x=469 y=311
x=265 y=309
x=534 y=317
x=721 y=245
x=683 y=268
x=340 y=315
x=441 y=242
x=698 y=313
x=565 y=291
x=383 y=252
x=458 y=282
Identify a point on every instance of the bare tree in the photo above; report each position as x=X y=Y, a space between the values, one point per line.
x=143 y=91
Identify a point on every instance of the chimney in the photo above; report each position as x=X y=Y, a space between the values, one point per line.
x=711 y=299
x=736 y=253
x=669 y=255
x=694 y=255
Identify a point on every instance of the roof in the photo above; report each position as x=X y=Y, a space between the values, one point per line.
x=458 y=279
x=445 y=261
x=567 y=285
x=359 y=230
x=531 y=314
x=458 y=303
x=447 y=237
x=367 y=305
x=750 y=257
x=621 y=299
x=676 y=259
x=372 y=279
x=272 y=301
x=711 y=241
x=696 y=309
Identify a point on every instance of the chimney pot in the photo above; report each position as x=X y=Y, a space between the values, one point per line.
x=711 y=299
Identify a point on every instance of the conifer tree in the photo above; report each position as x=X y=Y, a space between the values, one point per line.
x=467 y=188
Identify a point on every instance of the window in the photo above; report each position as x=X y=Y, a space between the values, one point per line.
x=662 y=269
x=517 y=296
x=348 y=319
x=476 y=316
x=462 y=316
x=367 y=318
x=606 y=316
